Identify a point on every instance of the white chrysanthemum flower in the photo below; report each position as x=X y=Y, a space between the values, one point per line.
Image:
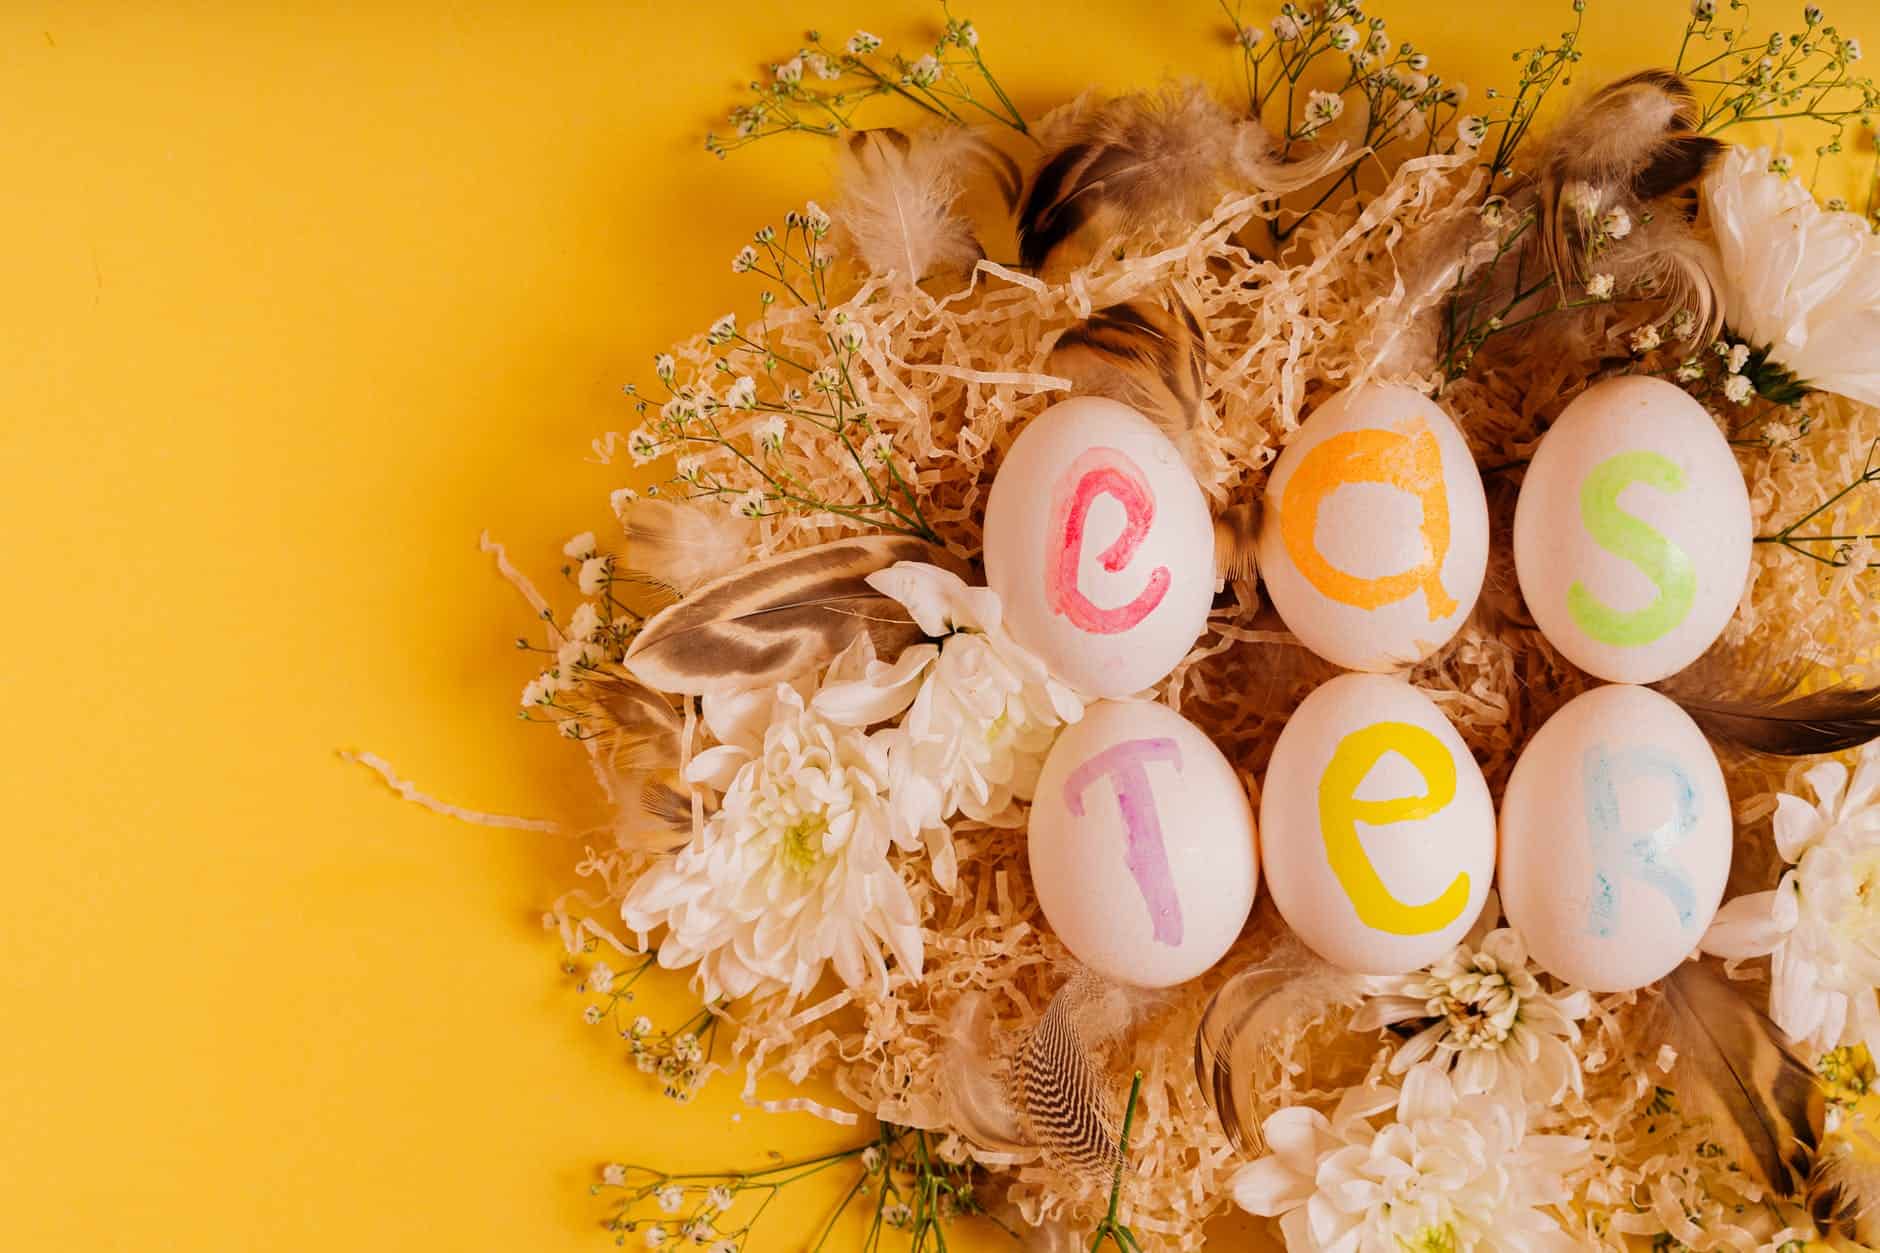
x=1800 y=283
x=791 y=873
x=1821 y=923
x=1451 y=1172
x=1489 y=1021
x=981 y=712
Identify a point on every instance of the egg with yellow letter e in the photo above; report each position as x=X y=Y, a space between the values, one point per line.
x=1142 y=845
x=1100 y=546
x=1374 y=537
x=1632 y=532
x=1378 y=832
x=1616 y=836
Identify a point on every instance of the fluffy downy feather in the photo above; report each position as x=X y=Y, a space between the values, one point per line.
x=900 y=198
x=1253 y=1013
x=1631 y=146
x=1145 y=163
x=635 y=741
x=1050 y=1091
x=1737 y=1070
x=681 y=545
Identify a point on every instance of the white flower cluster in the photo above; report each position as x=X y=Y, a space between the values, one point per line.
x=1819 y=926
x=820 y=782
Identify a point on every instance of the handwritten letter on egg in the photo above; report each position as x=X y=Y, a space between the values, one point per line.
x=1340 y=812
x=1410 y=463
x=1125 y=765
x=1619 y=533
x=1620 y=854
x=1100 y=472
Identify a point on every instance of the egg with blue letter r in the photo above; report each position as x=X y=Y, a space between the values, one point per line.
x=1374 y=535
x=1378 y=831
x=1100 y=546
x=1142 y=845
x=1615 y=839
x=1632 y=532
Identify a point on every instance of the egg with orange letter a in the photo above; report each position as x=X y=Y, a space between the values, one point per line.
x=1142 y=845
x=1374 y=537
x=1377 y=829
x=1100 y=546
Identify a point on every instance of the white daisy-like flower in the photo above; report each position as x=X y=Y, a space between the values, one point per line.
x=614 y=1175
x=1616 y=224
x=1820 y=926
x=769 y=432
x=654 y=1236
x=817 y=219
x=643 y=445
x=790 y=71
x=749 y=504
x=742 y=393
x=745 y=261
x=601 y=978
x=721 y=330
x=861 y=43
x=1450 y=1172
x=925 y=72
x=1644 y=339
x=584 y=623
x=1801 y=284
x=1490 y=1023
x=1736 y=358
x=1286 y=27
x=981 y=712
x=1737 y=388
x=1471 y=130
x=1599 y=287
x=581 y=546
x=791 y=873
x=1342 y=37
x=719 y=1197
x=670 y=1198
x=620 y=498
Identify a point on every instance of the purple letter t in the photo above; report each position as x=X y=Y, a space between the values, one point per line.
x=1125 y=764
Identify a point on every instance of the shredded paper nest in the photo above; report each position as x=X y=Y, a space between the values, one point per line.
x=951 y=379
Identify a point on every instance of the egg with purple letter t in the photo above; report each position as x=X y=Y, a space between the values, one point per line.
x=1142 y=845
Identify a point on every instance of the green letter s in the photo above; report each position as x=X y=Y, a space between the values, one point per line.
x=1622 y=535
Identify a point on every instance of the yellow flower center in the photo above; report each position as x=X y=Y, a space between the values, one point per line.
x=802 y=843
x=1432 y=1240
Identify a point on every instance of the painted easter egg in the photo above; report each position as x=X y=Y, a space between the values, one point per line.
x=1632 y=533
x=1142 y=845
x=1615 y=839
x=1374 y=537
x=1379 y=841
x=1100 y=546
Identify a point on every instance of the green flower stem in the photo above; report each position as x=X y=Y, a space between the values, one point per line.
x=1112 y=1230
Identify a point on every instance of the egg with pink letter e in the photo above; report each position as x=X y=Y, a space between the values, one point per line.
x=1616 y=836
x=1100 y=546
x=1142 y=844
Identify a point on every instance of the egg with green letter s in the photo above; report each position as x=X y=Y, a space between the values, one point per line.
x=1632 y=532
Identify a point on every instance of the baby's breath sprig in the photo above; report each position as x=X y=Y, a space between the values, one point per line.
x=1544 y=67
x=819 y=89
x=774 y=394
x=1804 y=75
x=679 y=1057
x=915 y=1191
x=1841 y=547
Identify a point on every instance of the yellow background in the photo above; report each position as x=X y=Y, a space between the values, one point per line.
x=293 y=303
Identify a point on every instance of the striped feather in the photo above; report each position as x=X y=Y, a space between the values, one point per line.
x=779 y=618
x=1060 y=1078
x=1150 y=353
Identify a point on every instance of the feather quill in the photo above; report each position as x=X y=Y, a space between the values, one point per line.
x=1150 y=353
x=1052 y=1090
x=1140 y=160
x=1772 y=714
x=1737 y=1069
x=1630 y=145
x=901 y=194
x=680 y=545
x=776 y=619
x=1244 y=1021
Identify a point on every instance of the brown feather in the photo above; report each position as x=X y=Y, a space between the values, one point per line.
x=1150 y=353
x=778 y=618
x=1139 y=161
x=1236 y=535
x=639 y=728
x=1738 y=1070
x=1769 y=713
x=901 y=194
x=1634 y=142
